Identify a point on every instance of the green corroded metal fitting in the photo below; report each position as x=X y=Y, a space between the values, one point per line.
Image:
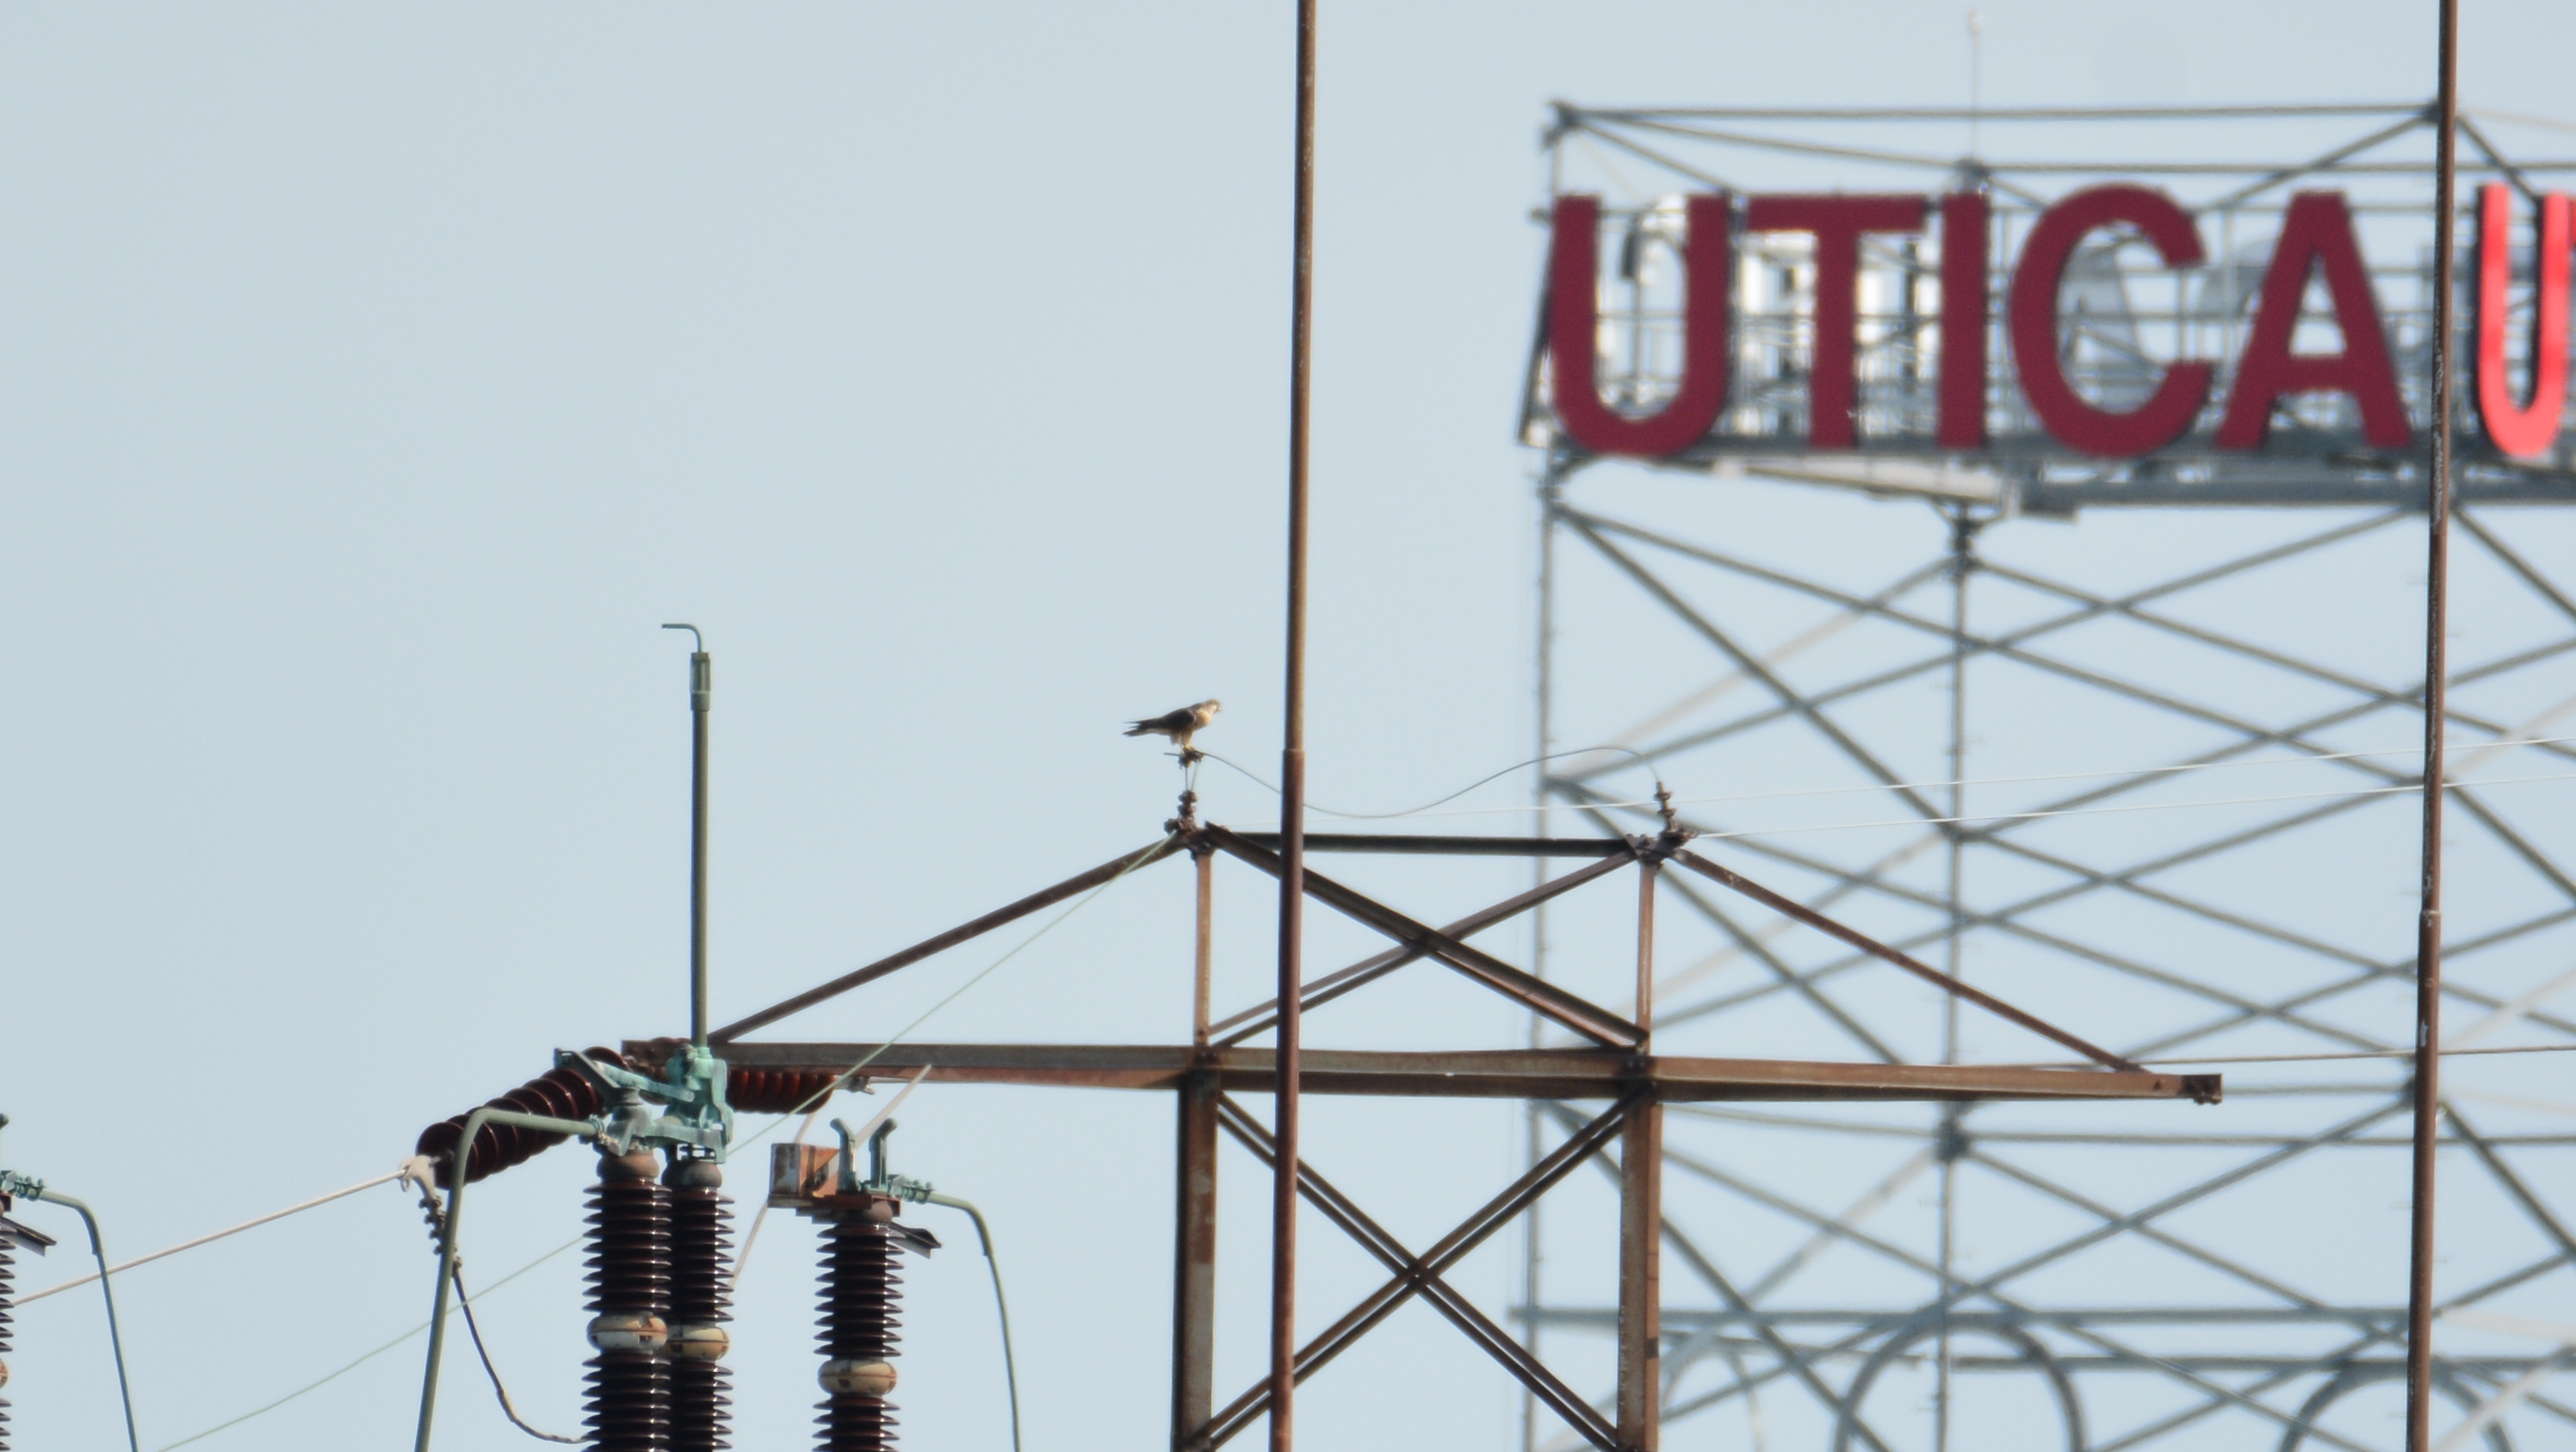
x=694 y=1093
x=880 y=1180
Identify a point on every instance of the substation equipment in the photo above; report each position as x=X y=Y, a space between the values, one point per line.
x=658 y=1248
x=1825 y=513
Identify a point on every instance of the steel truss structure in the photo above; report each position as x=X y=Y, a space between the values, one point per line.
x=1615 y=1059
x=2143 y=763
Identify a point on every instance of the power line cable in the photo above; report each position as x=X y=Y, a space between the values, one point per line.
x=107 y=1290
x=2405 y=788
x=326 y=1380
x=474 y=1328
x=1642 y=760
x=251 y=1224
x=1051 y=924
x=2408 y=788
x=2314 y=1058
x=2107 y=774
x=1001 y=1304
x=743 y=1257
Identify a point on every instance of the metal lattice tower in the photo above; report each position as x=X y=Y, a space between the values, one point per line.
x=2123 y=741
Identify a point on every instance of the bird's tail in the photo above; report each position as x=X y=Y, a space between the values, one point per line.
x=1139 y=729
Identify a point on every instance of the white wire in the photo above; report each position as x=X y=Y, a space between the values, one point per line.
x=79 y=1281
x=326 y=1380
x=2409 y=789
x=742 y=1257
x=2312 y=1058
x=823 y=1097
x=2117 y=773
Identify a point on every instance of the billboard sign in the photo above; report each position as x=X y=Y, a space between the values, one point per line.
x=2309 y=328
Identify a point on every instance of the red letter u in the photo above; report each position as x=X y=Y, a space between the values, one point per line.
x=1574 y=326
x=2531 y=428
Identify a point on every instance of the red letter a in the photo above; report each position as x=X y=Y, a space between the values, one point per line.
x=1574 y=326
x=2317 y=228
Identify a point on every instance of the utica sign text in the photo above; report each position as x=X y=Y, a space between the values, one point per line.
x=2317 y=243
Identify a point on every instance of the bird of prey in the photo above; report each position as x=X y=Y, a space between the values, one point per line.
x=1179 y=725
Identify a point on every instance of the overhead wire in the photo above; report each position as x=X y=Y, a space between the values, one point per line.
x=250 y=1224
x=327 y=1379
x=1642 y=760
x=2402 y=788
x=2409 y=788
x=2107 y=774
x=1050 y=925
x=1001 y=1303
x=812 y=1108
x=44 y=1194
x=742 y=1257
x=474 y=1329
x=2315 y=1058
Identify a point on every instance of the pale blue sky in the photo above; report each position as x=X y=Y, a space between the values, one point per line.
x=375 y=379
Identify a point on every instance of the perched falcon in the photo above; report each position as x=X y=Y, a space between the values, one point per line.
x=1179 y=725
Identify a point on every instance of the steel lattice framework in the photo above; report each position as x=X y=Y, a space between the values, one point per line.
x=2147 y=763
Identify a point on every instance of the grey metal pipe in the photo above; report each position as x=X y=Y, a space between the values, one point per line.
x=984 y=1233
x=702 y=692
x=450 y=1223
x=115 y=1339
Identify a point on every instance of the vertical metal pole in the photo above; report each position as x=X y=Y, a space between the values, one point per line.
x=1194 y=1214
x=1641 y=1320
x=701 y=696
x=1545 y=687
x=1641 y=1219
x=1962 y=535
x=1646 y=873
x=1203 y=976
x=1292 y=771
x=702 y=691
x=1194 y=1263
x=2437 y=591
x=1976 y=81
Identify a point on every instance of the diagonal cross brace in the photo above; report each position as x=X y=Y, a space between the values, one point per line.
x=1528 y=990
x=1260 y=1017
x=1074 y=886
x=1452 y=1248
x=1736 y=882
x=1390 y=1252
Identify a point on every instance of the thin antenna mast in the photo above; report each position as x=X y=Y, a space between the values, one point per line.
x=1976 y=81
x=701 y=695
x=1292 y=771
x=2437 y=690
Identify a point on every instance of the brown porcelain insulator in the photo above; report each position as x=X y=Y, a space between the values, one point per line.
x=701 y=1239
x=630 y=1298
x=560 y=1093
x=775 y=1091
x=861 y=1299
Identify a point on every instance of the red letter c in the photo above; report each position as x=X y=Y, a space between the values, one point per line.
x=2063 y=411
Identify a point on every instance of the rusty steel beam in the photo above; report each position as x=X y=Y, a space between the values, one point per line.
x=1638 y=1399
x=1194 y=1260
x=1537 y=994
x=1444 y=846
x=1475 y=1074
x=964 y=932
x=1236 y=1028
x=1640 y=1395
x=1787 y=907
x=1391 y=1253
x=1452 y=1248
